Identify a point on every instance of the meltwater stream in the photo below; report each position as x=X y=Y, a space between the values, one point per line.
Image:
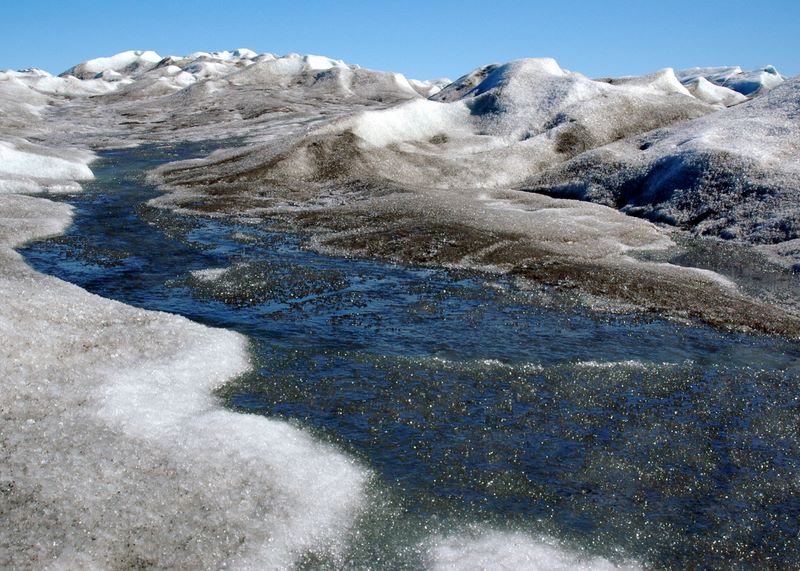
x=624 y=437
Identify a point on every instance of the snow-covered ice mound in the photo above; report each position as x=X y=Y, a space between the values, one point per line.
x=747 y=83
x=714 y=94
x=28 y=168
x=732 y=174
x=125 y=63
x=518 y=119
x=509 y=551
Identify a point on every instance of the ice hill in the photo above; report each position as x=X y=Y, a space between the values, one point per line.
x=140 y=95
x=153 y=75
x=711 y=150
x=517 y=120
x=708 y=149
x=732 y=174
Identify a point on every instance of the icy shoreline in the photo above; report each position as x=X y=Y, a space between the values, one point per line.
x=116 y=454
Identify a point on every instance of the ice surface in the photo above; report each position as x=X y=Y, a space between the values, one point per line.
x=324 y=76
x=321 y=62
x=518 y=119
x=34 y=82
x=416 y=121
x=129 y=62
x=714 y=94
x=20 y=158
x=115 y=453
x=510 y=551
x=405 y=181
x=731 y=174
x=756 y=81
x=244 y=53
x=429 y=88
x=717 y=75
x=664 y=81
x=28 y=168
x=748 y=83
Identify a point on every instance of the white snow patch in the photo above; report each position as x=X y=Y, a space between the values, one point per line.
x=121 y=61
x=321 y=63
x=116 y=452
x=714 y=94
x=417 y=120
x=27 y=168
x=510 y=551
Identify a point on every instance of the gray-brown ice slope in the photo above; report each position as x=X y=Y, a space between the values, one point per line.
x=518 y=119
x=732 y=174
x=432 y=182
x=213 y=95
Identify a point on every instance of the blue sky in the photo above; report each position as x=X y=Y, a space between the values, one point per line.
x=423 y=39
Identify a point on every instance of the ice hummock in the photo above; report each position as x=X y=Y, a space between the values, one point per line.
x=748 y=83
x=517 y=119
x=129 y=62
x=713 y=93
x=731 y=174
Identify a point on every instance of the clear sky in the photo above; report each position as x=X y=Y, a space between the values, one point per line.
x=422 y=39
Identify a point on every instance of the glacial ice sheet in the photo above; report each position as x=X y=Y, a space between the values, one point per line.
x=116 y=454
x=196 y=485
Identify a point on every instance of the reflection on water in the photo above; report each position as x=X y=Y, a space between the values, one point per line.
x=674 y=445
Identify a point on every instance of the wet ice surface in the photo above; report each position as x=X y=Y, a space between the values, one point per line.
x=753 y=271
x=626 y=437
